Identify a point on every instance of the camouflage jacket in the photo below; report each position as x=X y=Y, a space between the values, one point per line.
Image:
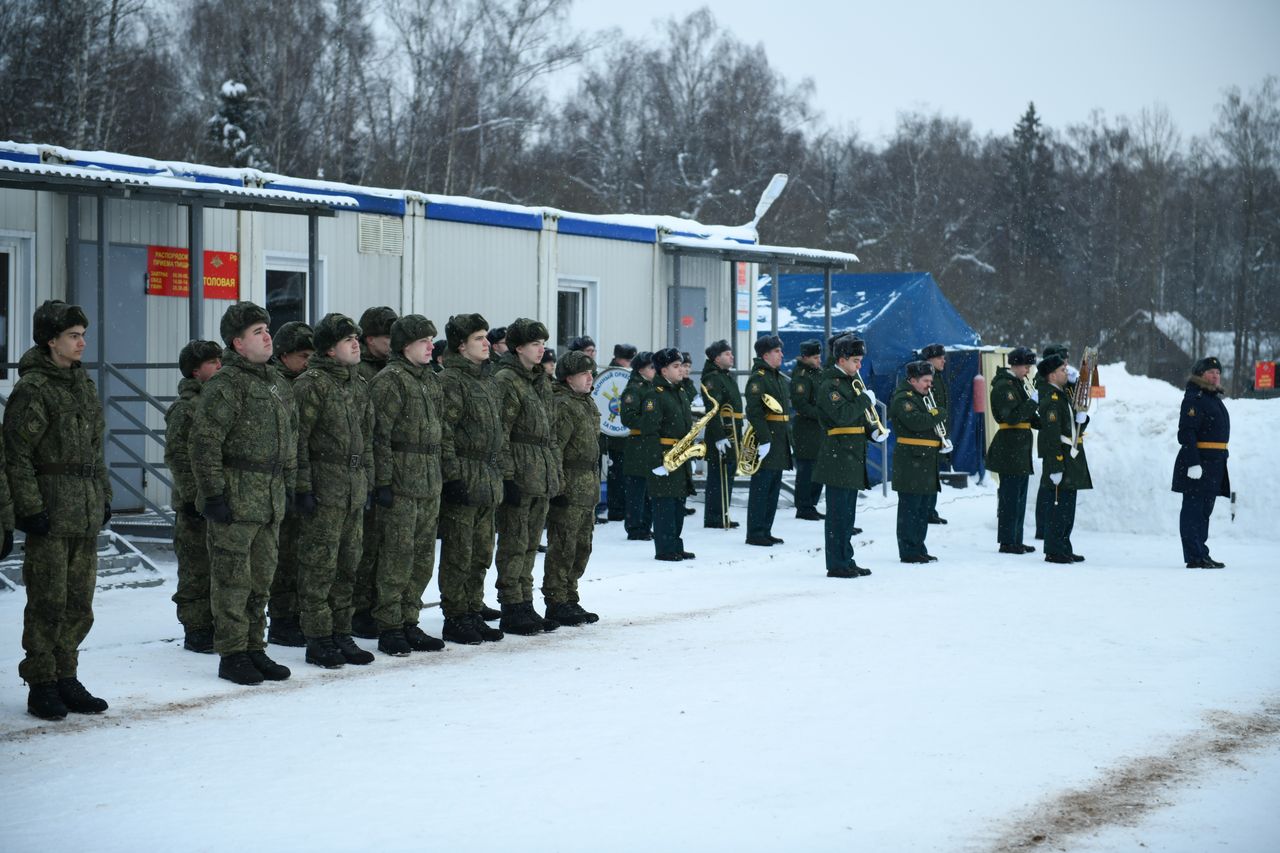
x=526 y=418
x=577 y=423
x=335 y=432
x=177 y=441
x=245 y=426
x=407 y=407
x=7 y=520
x=370 y=366
x=54 y=419
x=473 y=444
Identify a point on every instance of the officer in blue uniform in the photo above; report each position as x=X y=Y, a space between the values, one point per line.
x=1200 y=472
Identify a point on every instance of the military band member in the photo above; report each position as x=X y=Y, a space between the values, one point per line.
x=1044 y=494
x=616 y=447
x=722 y=434
x=664 y=420
x=808 y=432
x=1009 y=454
x=936 y=355
x=915 y=460
x=57 y=476
x=690 y=389
x=773 y=439
x=197 y=362
x=1065 y=468
x=438 y=350
x=639 y=520
x=549 y=362
x=1200 y=471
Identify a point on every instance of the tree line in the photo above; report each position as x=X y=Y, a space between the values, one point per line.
x=1037 y=233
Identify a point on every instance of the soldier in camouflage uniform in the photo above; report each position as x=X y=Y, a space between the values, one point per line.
x=335 y=478
x=438 y=350
x=808 y=432
x=293 y=346
x=407 y=407
x=773 y=438
x=475 y=461
x=936 y=356
x=525 y=393
x=198 y=362
x=570 y=521
x=1009 y=454
x=57 y=475
x=915 y=459
x=635 y=467
x=246 y=428
x=375 y=350
x=664 y=420
x=497 y=344
x=721 y=435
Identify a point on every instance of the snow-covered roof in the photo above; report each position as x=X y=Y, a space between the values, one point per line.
x=1181 y=332
x=736 y=250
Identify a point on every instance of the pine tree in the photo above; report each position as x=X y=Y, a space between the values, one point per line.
x=239 y=121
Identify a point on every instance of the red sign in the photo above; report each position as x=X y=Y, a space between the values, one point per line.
x=1264 y=375
x=169 y=273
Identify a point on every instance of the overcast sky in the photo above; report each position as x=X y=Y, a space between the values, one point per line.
x=983 y=60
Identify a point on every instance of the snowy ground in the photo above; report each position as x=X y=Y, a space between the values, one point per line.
x=742 y=701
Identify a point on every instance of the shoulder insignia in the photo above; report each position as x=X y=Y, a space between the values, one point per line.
x=1010 y=395
x=33 y=425
x=835 y=396
x=628 y=399
x=648 y=405
x=1059 y=457
x=908 y=406
x=1191 y=413
x=799 y=387
x=753 y=389
x=1053 y=416
x=660 y=389
x=760 y=372
x=1053 y=396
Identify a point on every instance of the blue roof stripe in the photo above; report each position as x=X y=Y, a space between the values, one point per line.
x=366 y=203
x=19 y=157
x=607 y=230
x=484 y=216
x=213 y=179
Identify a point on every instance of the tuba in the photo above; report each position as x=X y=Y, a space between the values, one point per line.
x=749 y=456
x=689 y=447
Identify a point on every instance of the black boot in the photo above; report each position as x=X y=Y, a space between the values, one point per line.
x=350 y=651
x=548 y=624
x=1013 y=549
x=809 y=514
x=393 y=643
x=562 y=613
x=285 y=631
x=488 y=614
x=44 y=702
x=460 y=631
x=199 y=640
x=517 y=620
x=420 y=641
x=77 y=699
x=363 y=625
x=238 y=669
x=487 y=634
x=584 y=616
x=322 y=652
x=270 y=670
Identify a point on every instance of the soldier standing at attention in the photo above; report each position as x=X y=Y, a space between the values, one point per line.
x=808 y=432
x=293 y=346
x=773 y=439
x=690 y=392
x=526 y=412
x=936 y=355
x=639 y=522
x=1200 y=471
x=498 y=346
x=1009 y=454
x=475 y=461
x=616 y=447
x=197 y=362
x=437 y=353
x=845 y=418
x=1044 y=493
x=335 y=478
x=549 y=362
x=1065 y=470
x=246 y=428
x=915 y=460
x=583 y=343
x=375 y=350
x=664 y=420
x=722 y=434
x=407 y=407
x=570 y=522
x=53 y=427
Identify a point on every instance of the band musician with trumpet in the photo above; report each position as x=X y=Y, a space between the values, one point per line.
x=1065 y=468
x=665 y=423
x=915 y=419
x=723 y=434
x=807 y=431
x=1014 y=401
x=768 y=401
x=936 y=356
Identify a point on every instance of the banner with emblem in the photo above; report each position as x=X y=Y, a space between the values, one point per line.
x=607 y=395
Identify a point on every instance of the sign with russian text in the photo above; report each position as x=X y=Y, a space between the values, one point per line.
x=169 y=273
x=743 y=298
x=1264 y=375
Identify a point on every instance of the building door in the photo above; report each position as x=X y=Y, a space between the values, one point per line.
x=687 y=308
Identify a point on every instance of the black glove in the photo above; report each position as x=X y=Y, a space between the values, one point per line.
x=382 y=497
x=217 y=511
x=560 y=500
x=303 y=502
x=7 y=548
x=454 y=492
x=190 y=511
x=35 y=525
x=106 y=514
x=510 y=493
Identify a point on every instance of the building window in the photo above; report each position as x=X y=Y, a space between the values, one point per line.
x=286 y=297
x=575 y=310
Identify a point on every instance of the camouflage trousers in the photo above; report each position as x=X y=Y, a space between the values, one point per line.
x=362 y=594
x=466 y=550
x=406 y=551
x=59 y=573
x=242 y=561
x=284 y=586
x=520 y=529
x=191 y=547
x=569 y=532
x=328 y=552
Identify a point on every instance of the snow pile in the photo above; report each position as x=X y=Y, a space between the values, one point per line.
x=1132 y=442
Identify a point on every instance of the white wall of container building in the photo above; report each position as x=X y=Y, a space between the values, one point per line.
x=32 y=229
x=621 y=275
x=464 y=268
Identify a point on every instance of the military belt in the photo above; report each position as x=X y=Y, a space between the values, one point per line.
x=582 y=466
x=782 y=418
x=479 y=456
x=411 y=447
x=1211 y=445
x=351 y=460
x=920 y=442
x=737 y=416
x=83 y=470
x=1016 y=426
x=240 y=464
x=528 y=438
x=635 y=432
x=669 y=442
x=847 y=431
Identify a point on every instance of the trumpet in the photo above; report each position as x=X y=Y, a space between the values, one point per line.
x=940 y=429
x=873 y=417
x=688 y=447
x=749 y=459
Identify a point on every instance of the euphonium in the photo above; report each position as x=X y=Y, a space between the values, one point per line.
x=873 y=417
x=749 y=456
x=689 y=447
x=940 y=429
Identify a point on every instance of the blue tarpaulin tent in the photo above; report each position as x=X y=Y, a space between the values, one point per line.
x=896 y=314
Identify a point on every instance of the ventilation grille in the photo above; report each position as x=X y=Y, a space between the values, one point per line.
x=381 y=235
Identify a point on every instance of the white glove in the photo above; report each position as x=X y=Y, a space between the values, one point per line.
x=764 y=449
x=608 y=462
x=871 y=394
x=1081 y=417
x=1056 y=478
x=723 y=445
x=1072 y=374
x=1034 y=395
x=1195 y=472
x=660 y=471
x=880 y=436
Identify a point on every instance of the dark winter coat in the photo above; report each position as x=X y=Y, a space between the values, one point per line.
x=1057 y=415
x=636 y=458
x=721 y=385
x=1203 y=421
x=807 y=432
x=664 y=420
x=473 y=444
x=916 y=442
x=525 y=395
x=1015 y=412
x=335 y=432
x=407 y=408
x=846 y=426
x=769 y=427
